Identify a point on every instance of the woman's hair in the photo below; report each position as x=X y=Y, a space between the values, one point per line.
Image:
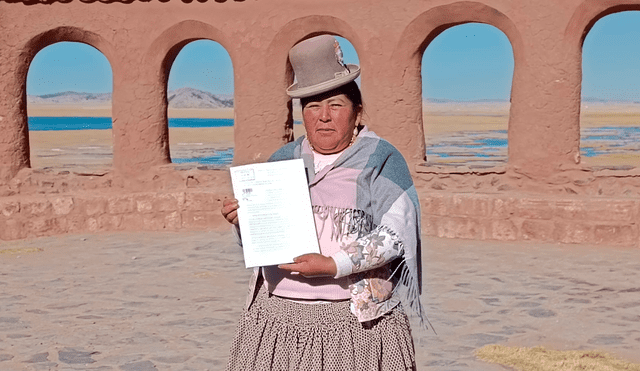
x=351 y=90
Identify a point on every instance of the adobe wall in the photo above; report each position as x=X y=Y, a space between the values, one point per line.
x=543 y=194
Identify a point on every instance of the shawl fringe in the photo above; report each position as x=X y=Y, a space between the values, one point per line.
x=408 y=290
x=408 y=286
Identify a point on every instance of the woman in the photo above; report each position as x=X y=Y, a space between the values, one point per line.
x=338 y=310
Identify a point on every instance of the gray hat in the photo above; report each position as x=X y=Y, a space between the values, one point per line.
x=318 y=66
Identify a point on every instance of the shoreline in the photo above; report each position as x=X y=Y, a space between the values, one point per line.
x=439 y=114
x=438 y=119
x=105 y=111
x=441 y=123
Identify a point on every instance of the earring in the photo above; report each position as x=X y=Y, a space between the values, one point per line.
x=355 y=135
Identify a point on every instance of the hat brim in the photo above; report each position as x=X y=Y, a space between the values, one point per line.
x=294 y=92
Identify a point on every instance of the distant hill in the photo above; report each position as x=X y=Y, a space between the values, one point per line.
x=71 y=97
x=607 y=101
x=179 y=98
x=194 y=98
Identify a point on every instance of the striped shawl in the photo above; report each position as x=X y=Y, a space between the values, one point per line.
x=368 y=199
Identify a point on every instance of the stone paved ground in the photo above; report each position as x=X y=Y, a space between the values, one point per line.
x=169 y=301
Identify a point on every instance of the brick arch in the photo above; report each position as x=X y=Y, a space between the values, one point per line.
x=159 y=57
x=164 y=49
x=428 y=25
x=588 y=13
x=60 y=34
x=421 y=31
x=580 y=24
x=290 y=34
x=29 y=51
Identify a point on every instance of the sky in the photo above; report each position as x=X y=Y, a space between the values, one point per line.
x=466 y=62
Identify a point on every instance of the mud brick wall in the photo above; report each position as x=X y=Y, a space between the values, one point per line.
x=544 y=193
x=35 y=216
x=544 y=219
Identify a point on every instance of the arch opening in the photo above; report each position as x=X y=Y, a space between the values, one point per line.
x=467 y=73
x=69 y=87
x=610 y=98
x=200 y=95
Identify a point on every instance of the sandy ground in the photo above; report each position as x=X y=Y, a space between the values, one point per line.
x=443 y=118
x=443 y=123
x=68 y=111
x=170 y=301
x=446 y=118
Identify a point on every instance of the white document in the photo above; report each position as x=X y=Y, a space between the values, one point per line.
x=276 y=220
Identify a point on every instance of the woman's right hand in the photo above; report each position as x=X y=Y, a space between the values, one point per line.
x=230 y=210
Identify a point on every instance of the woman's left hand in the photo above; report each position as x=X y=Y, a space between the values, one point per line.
x=310 y=265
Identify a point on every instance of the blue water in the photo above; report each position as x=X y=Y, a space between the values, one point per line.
x=102 y=123
x=219 y=157
x=200 y=123
x=212 y=157
x=491 y=145
x=609 y=140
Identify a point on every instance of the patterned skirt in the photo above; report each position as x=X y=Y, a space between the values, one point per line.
x=277 y=334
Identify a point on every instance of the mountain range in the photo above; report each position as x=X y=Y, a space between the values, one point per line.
x=179 y=98
x=194 y=98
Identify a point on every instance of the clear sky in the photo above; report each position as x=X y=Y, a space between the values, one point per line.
x=611 y=58
x=466 y=62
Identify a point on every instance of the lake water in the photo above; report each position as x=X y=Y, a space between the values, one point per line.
x=469 y=148
x=489 y=148
x=205 y=155
x=103 y=123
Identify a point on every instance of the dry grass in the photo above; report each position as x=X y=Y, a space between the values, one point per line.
x=60 y=110
x=447 y=118
x=616 y=159
x=541 y=359
x=21 y=251
x=445 y=124
x=221 y=136
x=439 y=120
x=56 y=139
x=599 y=119
x=203 y=113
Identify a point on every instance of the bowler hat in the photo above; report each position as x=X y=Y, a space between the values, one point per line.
x=318 y=67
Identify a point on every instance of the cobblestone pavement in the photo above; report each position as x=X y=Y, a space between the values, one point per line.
x=170 y=301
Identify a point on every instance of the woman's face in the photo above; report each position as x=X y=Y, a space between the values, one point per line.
x=329 y=122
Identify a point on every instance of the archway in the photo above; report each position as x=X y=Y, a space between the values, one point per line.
x=201 y=106
x=69 y=86
x=467 y=73
x=610 y=105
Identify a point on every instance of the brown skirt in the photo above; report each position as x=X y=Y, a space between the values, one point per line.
x=278 y=334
